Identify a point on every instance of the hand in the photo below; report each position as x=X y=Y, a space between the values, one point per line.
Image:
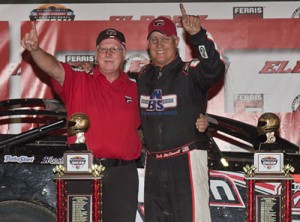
x=30 y=41
x=190 y=23
x=201 y=123
x=83 y=66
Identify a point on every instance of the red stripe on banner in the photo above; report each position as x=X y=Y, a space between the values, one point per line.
x=4 y=49
x=255 y=33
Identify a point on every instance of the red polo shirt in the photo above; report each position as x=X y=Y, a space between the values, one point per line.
x=112 y=109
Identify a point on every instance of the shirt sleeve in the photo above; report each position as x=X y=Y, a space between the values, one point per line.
x=208 y=68
x=65 y=91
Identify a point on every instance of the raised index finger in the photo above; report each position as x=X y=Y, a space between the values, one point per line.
x=183 y=12
x=33 y=27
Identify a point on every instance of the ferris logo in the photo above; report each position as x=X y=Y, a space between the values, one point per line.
x=280 y=67
x=249 y=97
x=79 y=58
x=248 y=11
x=249 y=102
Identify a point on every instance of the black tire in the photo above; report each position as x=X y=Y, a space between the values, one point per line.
x=22 y=211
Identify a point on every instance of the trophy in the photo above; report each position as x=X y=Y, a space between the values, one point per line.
x=78 y=159
x=78 y=181
x=269 y=168
x=269 y=159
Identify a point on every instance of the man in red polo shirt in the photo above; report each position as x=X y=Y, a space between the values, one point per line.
x=109 y=98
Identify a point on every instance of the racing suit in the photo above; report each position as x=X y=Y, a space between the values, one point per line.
x=171 y=98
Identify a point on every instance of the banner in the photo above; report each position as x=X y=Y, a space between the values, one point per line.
x=259 y=42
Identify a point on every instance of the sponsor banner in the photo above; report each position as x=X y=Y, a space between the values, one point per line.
x=273 y=73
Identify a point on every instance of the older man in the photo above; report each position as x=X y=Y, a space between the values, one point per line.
x=109 y=98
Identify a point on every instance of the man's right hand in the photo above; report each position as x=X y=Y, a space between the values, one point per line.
x=202 y=123
x=83 y=66
x=30 y=41
x=45 y=61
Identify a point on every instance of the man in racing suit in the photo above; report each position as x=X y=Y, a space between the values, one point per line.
x=172 y=93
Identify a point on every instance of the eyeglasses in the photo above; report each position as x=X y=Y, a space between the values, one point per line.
x=162 y=39
x=111 y=50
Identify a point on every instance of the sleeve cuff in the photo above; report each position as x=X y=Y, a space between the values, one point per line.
x=199 y=37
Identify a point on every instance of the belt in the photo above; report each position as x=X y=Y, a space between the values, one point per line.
x=112 y=162
x=166 y=154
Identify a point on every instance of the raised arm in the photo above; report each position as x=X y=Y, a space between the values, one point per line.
x=190 y=23
x=210 y=68
x=45 y=61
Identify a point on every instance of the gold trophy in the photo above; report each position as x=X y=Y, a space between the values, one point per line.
x=78 y=124
x=78 y=181
x=267 y=128
x=268 y=168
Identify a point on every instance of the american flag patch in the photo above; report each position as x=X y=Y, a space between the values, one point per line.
x=185 y=149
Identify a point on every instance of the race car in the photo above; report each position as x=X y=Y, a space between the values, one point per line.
x=27 y=187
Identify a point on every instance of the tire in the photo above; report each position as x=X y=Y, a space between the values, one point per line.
x=22 y=211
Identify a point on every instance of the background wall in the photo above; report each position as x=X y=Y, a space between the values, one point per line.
x=259 y=42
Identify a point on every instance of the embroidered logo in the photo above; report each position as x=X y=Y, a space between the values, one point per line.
x=128 y=99
x=203 y=52
x=157 y=102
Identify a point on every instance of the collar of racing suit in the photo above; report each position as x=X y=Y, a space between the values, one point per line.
x=168 y=67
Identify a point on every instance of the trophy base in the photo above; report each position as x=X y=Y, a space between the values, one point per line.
x=269 y=147
x=78 y=146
